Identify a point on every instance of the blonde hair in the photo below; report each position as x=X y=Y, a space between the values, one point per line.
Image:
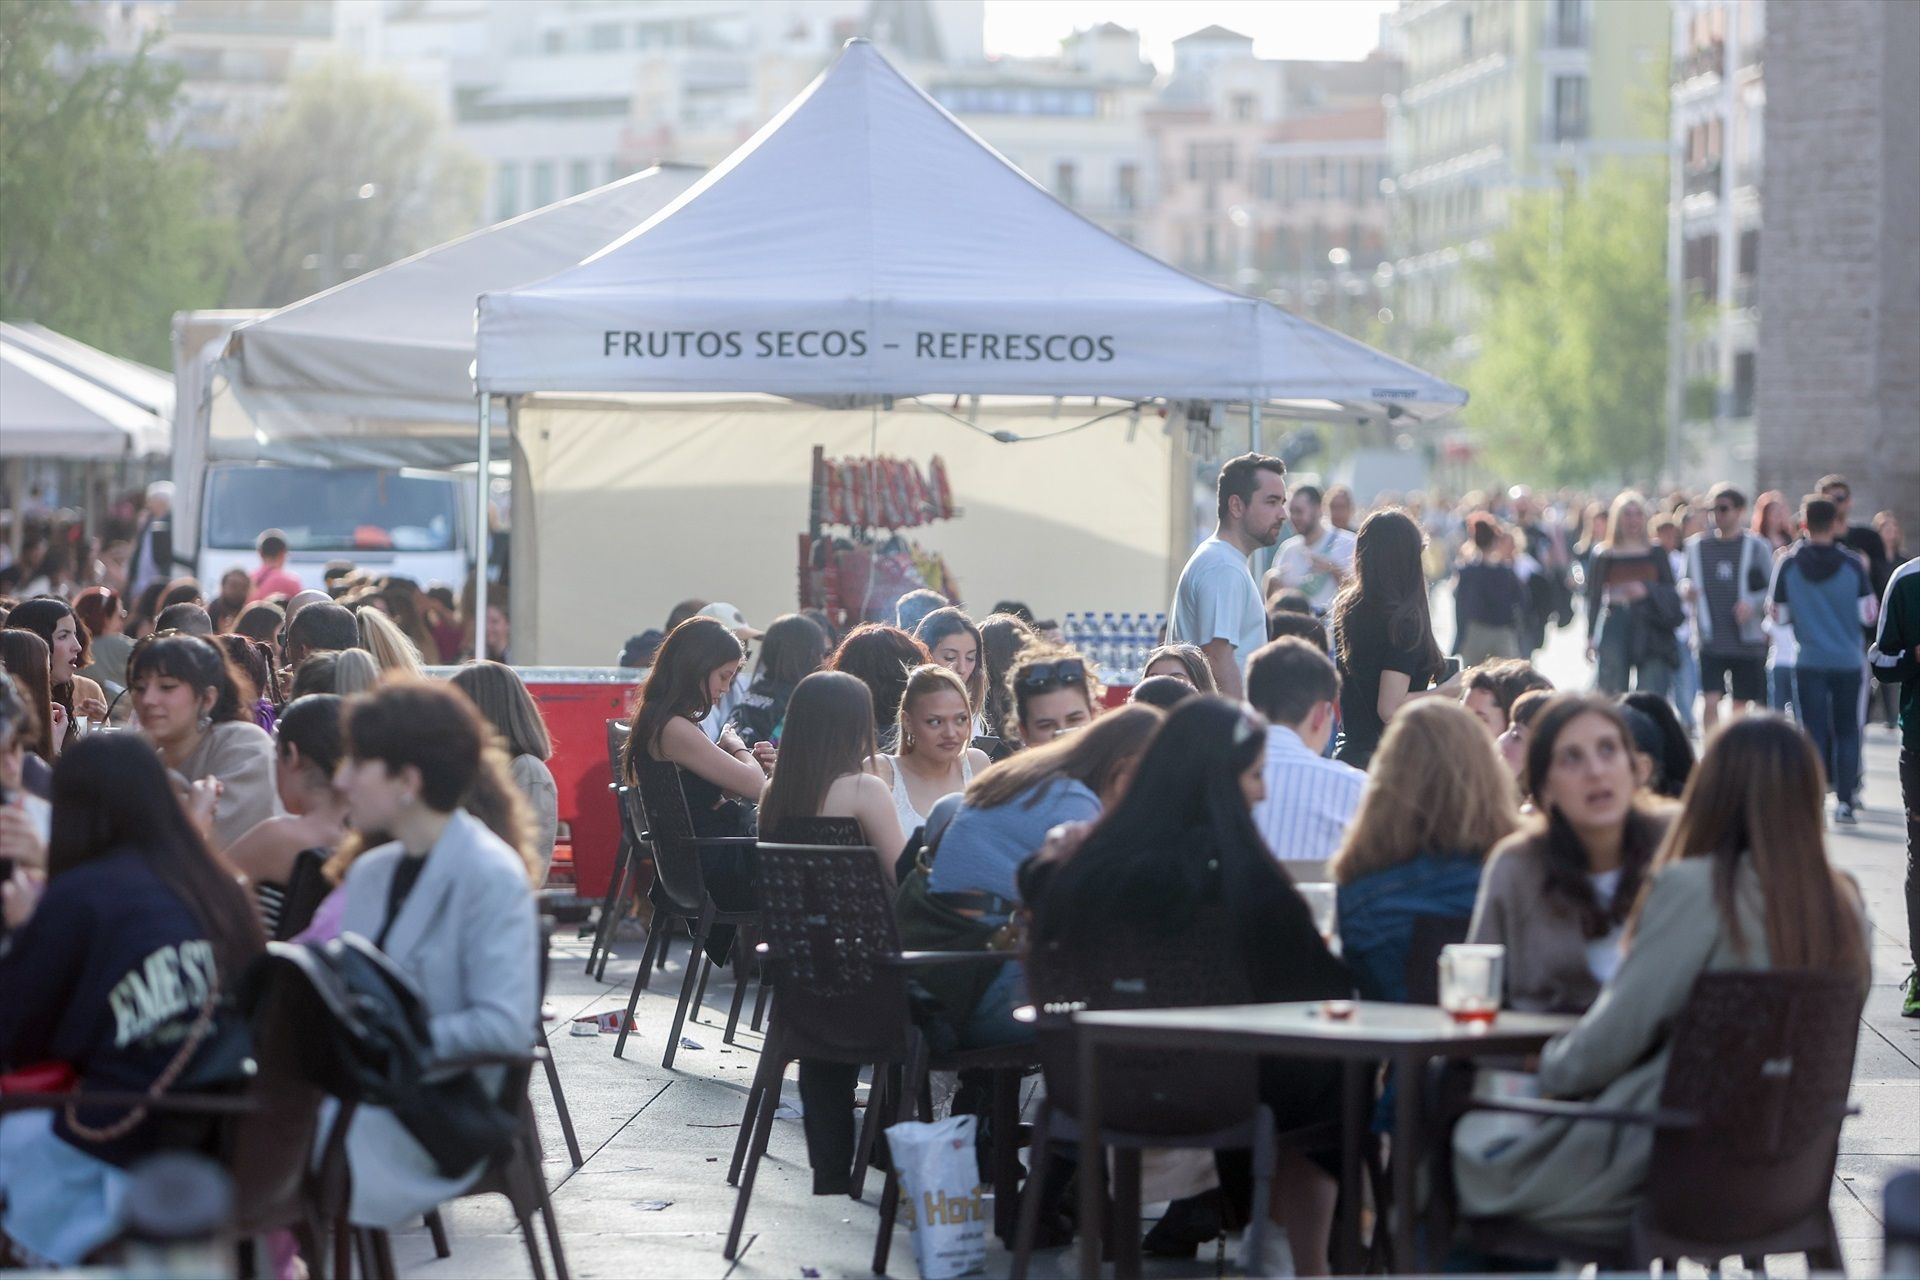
x=1412 y=806
x=354 y=671
x=1624 y=499
x=928 y=677
x=382 y=637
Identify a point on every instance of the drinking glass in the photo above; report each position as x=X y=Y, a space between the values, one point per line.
x=1472 y=980
x=1321 y=902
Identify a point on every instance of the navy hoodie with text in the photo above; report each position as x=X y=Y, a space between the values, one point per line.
x=108 y=976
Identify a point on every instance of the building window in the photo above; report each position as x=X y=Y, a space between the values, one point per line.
x=1064 y=181
x=1743 y=384
x=1245 y=106
x=506 y=190
x=1210 y=254
x=1127 y=187
x=604 y=35
x=1466 y=34
x=1569 y=23
x=1750 y=252
x=1210 y=161
x=542 y=175
x=1569 y=108
x=579 y=177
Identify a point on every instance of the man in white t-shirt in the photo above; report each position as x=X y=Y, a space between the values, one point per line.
x=1317 y=559
x=1216 y=605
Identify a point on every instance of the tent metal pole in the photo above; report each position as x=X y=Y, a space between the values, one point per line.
x=483 y=535
x=1253 y=425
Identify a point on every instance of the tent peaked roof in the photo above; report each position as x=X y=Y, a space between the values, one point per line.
x=866 y=242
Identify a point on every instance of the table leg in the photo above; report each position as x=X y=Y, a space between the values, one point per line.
x=1353 y=1126
x=1408 y=1258
x=1093 y=1183
x=1006 y=1152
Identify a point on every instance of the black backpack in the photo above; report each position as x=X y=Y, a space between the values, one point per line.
x=373 y=1044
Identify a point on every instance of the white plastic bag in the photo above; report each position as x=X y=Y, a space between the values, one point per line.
x=944 y=1203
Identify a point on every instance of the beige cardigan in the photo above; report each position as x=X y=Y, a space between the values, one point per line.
x=240 y=754
x=1547 y=970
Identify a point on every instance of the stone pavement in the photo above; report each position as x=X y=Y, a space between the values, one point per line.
x=652 y=1198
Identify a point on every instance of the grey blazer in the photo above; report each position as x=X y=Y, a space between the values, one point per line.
x=467 y=935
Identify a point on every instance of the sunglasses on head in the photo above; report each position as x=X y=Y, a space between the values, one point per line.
x=1048 y=675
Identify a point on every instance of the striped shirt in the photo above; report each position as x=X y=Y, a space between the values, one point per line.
x=1310 y=799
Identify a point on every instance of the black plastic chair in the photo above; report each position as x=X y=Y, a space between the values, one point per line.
x=1746 y=1135
x=1179 y=1099
x=840 y=979
x=623 y=882
x=680 y=880
x=1431 y=935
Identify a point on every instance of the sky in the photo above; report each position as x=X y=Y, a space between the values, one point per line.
x=1328 y=29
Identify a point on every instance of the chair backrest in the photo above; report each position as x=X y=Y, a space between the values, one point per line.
x=269 y=1148
x=1170 y=1092
x=1431 y=935
x=827 y=920
x=668 y=827
x=1765 y=1060
x=617 y=733
x=842 y=833
x=306 y=889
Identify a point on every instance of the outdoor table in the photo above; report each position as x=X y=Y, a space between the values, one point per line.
x=1406 y=1035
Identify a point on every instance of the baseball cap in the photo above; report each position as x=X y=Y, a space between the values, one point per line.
x=735 y=620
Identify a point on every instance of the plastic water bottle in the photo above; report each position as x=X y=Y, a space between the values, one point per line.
x=1070 y=628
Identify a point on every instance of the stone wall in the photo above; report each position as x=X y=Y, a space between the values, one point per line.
x=1839 y=351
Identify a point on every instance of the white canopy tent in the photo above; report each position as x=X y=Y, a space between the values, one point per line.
x=865 y=245
x=55 y=408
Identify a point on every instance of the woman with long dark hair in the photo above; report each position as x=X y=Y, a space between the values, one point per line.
x=196 y=709
x=27 y=659
x=1179 y=849
x=1557 y=894
x=793 y=648
x=821 y=774
x=131 y=892
x=1383 y=634
x=1002 y=637
x=508 y=706
x=693 y=670
x=821 y=771
x=880 y=658
x=953 y=641
x=1741 y=881
x=449 y=902
x=308 y=749
x=67 y=640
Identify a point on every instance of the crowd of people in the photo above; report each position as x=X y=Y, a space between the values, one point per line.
x=168 y=770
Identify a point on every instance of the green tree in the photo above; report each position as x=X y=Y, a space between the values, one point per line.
x=1570 y=380
x=102 y=229
x=356 y=170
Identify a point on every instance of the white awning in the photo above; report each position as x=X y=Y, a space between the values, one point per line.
x=47 y=411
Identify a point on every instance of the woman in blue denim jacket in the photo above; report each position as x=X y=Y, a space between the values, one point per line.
x=1417 y=844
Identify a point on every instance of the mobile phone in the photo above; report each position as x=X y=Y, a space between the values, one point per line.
x=1451 y=667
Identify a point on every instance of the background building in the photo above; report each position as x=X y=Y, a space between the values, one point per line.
x=1713 y=251
x=1838 y=366
x=1502 y=96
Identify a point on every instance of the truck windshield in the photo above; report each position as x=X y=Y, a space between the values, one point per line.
x=331 y=509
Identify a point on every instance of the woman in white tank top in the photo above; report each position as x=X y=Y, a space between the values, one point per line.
x=935 y=733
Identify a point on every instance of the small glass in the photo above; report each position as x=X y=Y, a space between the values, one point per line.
x=1472 y=978
x=1322 y=902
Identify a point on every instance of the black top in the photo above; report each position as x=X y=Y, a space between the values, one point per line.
x=406 y=874
x=108 y=976
x=1366 y=649
x=1487 y=593
x=712 y=811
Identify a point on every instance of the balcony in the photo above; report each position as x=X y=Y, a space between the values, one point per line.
x=1746 y=292
x=1701 y=60
x=1702 y=179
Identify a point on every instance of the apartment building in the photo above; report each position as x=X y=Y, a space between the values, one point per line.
x=1713 y=249
x=1501 y=97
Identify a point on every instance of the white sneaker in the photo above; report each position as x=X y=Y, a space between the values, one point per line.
x=1276 y=1253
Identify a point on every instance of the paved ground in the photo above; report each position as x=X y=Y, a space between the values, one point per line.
x=652 y=1198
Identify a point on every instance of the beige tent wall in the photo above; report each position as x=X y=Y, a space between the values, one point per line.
x=623 y=507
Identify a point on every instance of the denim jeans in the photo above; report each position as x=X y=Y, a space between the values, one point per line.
x=1829 y=706
x=1686 y=684
x=1613 y=651
x=1780 y=690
